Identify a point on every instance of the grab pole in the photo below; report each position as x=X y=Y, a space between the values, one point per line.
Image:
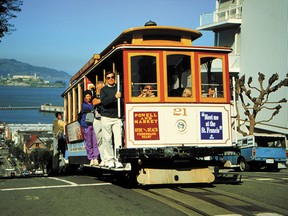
x=119 y=116
x=118 y=99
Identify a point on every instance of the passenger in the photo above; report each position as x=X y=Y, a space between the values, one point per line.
x=187 y=92
x=93 y=90
x=89 y=134
x=58 y=131
x=97 y=120
x=211 y=92
x=147 y=91
x=111 y=124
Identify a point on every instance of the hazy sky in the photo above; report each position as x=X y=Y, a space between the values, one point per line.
x=64 y=34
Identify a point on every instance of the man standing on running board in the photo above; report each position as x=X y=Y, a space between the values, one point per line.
x=111 y=124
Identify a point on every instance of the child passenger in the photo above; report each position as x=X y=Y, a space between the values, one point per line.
x=89 y=134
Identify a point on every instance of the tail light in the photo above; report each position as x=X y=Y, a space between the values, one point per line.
x=254 y=152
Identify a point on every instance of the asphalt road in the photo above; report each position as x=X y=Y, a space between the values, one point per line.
x=264 y=188
x=260 y=193
x=74 y=195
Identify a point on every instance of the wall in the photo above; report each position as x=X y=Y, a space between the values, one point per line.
x=264 y=48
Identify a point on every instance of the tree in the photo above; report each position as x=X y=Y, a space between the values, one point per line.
x=40 y=158
x=7 y=9
x=17 y=151
x=259 y=103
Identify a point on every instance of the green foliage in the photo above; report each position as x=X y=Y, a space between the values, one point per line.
x=7 y=10
x=17 y=151
x=40 y=158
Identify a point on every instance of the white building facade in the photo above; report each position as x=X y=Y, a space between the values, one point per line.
x=257 y=31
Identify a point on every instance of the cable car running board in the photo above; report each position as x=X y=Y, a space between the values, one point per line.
x=127 y=167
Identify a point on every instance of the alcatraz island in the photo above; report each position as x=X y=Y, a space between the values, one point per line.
x=29 y=81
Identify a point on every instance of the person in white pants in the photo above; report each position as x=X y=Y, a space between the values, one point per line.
x=111 y=124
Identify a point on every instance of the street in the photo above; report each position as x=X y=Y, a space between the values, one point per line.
x=74 y=195
x=260 y=192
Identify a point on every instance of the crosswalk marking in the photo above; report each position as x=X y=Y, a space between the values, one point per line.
x=284 y=178
x=265 y=179
x=54 y=186
x=62 y=180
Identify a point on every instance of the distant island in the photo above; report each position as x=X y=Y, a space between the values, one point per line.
x=15 y=73
x=29 y=81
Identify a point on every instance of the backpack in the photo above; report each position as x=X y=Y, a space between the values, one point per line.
x=89 y=118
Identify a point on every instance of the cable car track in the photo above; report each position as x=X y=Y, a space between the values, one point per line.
x=202 y=201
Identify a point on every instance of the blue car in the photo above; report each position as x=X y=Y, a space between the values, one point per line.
x=26 y=173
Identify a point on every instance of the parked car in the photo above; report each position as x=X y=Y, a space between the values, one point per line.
x=10 y=172
x=39 y=172
x=26 y=173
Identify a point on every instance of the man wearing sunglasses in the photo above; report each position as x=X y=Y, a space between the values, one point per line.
x=111 y=124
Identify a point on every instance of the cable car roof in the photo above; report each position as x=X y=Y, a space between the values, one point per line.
x=147 y=34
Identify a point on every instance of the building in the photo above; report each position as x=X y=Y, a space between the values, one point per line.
x=25 y=76
x=257 y=31
x=51 y=108
x=33 y=142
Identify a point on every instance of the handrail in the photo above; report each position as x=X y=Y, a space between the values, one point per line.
x=231 y=12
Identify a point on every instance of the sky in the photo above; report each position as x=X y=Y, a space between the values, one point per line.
x=65 y=34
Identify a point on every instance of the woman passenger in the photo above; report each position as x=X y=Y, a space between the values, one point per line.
x=89 y=134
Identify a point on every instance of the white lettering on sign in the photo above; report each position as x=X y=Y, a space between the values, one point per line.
x=211 y=125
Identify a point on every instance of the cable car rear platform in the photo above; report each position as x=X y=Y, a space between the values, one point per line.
x=169 y=175
x=171 y=165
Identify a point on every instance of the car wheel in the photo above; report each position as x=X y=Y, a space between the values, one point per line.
x=243 y=166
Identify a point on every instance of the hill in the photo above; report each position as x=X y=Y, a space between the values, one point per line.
x=14 y=67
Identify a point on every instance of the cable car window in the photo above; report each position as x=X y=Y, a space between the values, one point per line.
x=212 y=77
x=179 y=75
x=143 y=76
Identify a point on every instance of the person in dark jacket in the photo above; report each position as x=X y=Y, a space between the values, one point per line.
x=111 y=124
x=89 y=134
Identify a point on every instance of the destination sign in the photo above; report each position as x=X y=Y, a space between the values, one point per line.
x=146 y=126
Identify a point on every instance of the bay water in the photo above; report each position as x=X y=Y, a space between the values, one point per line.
x=28 y=96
